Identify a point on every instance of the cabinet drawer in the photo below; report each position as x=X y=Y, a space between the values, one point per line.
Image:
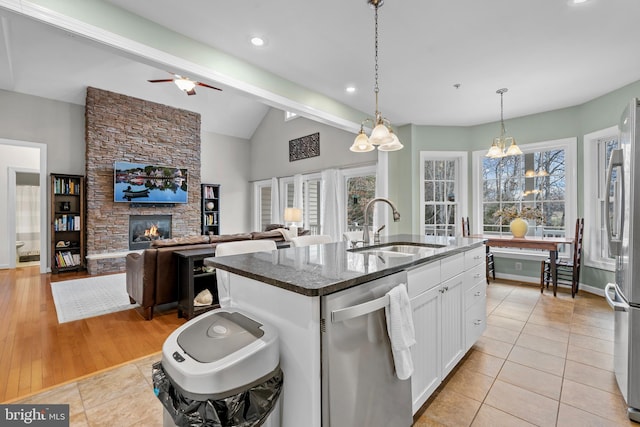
x=451 y=266
x=474 y=276
x=475 y=322
x=474 y=257
x=423 y=278
x=475 y=294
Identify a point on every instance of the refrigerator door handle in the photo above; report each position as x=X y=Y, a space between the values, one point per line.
x=615 y=244
x=617 y=306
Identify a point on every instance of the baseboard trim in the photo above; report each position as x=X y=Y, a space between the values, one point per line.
x=529 y=281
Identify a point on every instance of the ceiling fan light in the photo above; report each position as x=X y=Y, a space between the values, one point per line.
x=185 y=84
x=361 y=144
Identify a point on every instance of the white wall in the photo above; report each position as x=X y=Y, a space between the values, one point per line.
x=270 y=147
x=226 y=160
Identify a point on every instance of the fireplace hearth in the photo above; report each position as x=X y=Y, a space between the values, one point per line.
x=143 y=229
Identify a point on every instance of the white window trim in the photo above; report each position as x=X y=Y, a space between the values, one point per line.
x=590 y=140
x=571 y=183
x=462 y=178
x=257 y=185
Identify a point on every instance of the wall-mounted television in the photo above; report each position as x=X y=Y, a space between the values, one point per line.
x=146 y=183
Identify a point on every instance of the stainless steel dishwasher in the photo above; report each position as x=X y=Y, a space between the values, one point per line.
x=359 y=385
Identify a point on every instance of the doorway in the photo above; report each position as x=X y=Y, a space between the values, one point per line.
x=23 y=160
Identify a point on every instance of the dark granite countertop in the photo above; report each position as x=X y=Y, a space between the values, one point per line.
x=324 y=269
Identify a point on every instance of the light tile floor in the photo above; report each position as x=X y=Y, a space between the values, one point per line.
x=543 y=360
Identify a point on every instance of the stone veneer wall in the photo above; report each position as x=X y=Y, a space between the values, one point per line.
x=122 y=128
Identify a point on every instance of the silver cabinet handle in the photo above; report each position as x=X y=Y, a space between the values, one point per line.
x=477 y=322
x=477 y=276
x=478 y=293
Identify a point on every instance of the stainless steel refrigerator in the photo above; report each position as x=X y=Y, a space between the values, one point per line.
x=623 y=179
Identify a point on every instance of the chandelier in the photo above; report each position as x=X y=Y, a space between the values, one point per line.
x=382 y=135
x=499 y=146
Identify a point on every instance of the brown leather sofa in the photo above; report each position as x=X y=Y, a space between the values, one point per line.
x=152 y=276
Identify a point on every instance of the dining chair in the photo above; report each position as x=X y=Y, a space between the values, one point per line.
x=318 y=239
x=567 y=269
x=236 y=248
x=490 y=270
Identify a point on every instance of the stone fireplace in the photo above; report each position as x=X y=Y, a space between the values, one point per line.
x=143 y=229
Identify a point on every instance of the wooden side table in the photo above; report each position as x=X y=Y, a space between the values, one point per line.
x=192 y=279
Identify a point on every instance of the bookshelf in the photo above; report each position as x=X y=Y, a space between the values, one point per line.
x=210 y=208
x=67 y=222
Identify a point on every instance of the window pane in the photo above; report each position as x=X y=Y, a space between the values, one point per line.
x=360 y=190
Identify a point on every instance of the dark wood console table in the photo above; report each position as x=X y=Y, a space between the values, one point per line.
x=192 y=279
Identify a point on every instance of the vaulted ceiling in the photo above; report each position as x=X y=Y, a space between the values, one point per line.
x=440 y=61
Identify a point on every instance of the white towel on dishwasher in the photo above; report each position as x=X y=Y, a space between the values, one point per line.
x=400 y=330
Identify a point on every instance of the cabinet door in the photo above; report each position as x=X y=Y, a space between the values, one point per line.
x=426 y=351
x=452 y=307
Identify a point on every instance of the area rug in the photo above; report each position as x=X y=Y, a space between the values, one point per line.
x=89 y=297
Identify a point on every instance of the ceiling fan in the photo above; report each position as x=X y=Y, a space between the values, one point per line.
x=184 y=83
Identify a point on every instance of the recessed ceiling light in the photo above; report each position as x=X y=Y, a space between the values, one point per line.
x=257 y=41
x=578 y=1
x=350 y=89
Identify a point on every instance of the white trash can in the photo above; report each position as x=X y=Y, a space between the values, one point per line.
x=220 y=368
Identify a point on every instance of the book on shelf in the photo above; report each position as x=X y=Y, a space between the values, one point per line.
x=209 y=193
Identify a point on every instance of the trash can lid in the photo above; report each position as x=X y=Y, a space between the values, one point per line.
x=218 y=335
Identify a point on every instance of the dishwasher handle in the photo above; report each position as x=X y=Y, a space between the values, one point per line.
x=359 y=310
x=617 y=306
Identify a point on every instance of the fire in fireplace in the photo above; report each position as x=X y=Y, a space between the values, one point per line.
x=143 y=229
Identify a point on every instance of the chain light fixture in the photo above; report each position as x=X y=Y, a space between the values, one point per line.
x=499 y=146
x=382 y=134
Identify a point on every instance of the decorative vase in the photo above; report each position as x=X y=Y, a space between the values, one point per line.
x=519 y=227
x=210 y=205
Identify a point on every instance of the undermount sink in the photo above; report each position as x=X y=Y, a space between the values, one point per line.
x=397 y=250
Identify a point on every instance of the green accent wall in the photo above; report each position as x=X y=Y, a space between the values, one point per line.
x=404 y=167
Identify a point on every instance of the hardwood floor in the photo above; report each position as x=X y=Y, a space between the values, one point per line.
x=37 y=353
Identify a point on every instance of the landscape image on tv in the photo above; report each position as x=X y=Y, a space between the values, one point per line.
x=144 y=183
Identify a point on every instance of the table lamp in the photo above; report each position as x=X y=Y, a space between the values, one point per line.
x=293 y=215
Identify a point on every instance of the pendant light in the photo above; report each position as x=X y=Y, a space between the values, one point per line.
x=382 y=135
x=499 y=146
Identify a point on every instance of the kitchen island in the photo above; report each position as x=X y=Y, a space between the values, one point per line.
x=287 y=287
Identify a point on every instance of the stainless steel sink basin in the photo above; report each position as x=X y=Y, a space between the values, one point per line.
x=397 y=250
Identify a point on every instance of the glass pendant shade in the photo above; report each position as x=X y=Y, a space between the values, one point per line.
x=394 y=145
x=513 y=150
x=380 y=135
x=361 y=144
x=495 y=152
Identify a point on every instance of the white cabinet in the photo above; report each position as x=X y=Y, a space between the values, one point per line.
x=425 y=353
x=452 y=311
x=449 y=311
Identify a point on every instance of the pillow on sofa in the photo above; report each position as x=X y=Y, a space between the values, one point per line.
x=189 y=240
x=270 y=227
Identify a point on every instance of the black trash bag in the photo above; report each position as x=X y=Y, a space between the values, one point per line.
x=249 y=408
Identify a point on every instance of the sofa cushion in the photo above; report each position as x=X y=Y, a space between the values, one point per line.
x=179 y=241
x=229 y=237
x=277 y=234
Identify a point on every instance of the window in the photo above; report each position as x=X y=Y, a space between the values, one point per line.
x=311 y=188
x=262 y=202
x=443 y=193
x=597 y=150
x=360 y=188
x=543 y=177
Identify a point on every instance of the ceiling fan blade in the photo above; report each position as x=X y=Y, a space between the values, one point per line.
x=160 y=81
x=191 y=92
x=209 y=86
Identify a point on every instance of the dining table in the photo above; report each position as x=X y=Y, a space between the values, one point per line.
x=551 y=244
